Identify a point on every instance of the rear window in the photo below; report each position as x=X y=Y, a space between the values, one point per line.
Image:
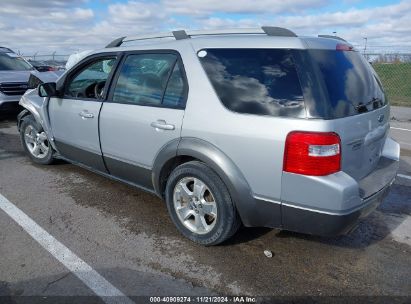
x=255 y=81
x=350 y=82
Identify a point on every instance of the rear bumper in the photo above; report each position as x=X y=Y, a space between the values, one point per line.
x=327 y=223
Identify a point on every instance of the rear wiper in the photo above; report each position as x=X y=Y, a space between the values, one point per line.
x=362 y=107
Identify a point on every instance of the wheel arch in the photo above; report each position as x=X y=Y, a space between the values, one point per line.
x=187 y=149
x=23 y=114
x=30 y=107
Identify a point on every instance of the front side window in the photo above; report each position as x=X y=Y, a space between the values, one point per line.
x=13 y=62
x=255 y=81
x=150 y=79
x=91 y=80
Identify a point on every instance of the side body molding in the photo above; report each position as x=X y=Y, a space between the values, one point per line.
x=253 y=212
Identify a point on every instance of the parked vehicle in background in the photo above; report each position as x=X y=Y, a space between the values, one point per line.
x=14 y=76
x=5 y=50
x=58 y=65
x=48 y=65
x=42 y=66
x=259 y=127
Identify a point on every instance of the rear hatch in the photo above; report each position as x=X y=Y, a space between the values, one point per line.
x=348 y=92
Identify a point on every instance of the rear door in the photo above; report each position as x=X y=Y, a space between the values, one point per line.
x=74 y=116
x=143 y=113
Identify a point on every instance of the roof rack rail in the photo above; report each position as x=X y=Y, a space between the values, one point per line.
x=182 y=34
x=332 y=37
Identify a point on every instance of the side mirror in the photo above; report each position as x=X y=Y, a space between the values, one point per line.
x=47 y=89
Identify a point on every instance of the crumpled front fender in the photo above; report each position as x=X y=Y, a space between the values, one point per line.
x=37 y=106
x=32 y=102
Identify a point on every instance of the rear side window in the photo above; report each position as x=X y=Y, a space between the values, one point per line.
x=255 y=81
x=150 y=79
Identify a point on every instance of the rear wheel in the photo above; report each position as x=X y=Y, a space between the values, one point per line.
x=35 y=141
x=200 y=205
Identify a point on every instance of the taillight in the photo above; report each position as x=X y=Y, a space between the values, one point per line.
x=312 y=153
x=344 y=47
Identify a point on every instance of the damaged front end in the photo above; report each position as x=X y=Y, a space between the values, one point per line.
x=37 y=106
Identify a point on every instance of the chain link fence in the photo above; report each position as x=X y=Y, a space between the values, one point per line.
x=53 y=59
x=394 y=70
x=53 y=56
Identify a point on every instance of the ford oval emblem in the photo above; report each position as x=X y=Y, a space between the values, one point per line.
x=381 y=118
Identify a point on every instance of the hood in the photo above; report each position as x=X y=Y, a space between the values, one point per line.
x=14 y=76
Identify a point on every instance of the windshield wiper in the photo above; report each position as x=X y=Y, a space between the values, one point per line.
x=362 y=107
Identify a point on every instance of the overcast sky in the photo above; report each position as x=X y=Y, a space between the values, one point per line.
x=66 y=26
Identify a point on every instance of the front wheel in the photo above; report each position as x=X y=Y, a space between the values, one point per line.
x=35 y=141
x=200 y=205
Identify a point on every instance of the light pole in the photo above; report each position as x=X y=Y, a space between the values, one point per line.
x=365 y=45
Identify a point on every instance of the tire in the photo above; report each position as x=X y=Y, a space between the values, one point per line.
x=32 y=135
x=212 y=202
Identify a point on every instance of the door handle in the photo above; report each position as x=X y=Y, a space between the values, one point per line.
x=85 y=115
x=162 y=125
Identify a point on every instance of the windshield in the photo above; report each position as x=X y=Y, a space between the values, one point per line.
x=12 y=62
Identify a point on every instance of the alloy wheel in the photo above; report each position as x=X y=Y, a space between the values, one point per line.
x=195 y=205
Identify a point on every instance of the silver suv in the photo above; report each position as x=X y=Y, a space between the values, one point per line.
x=14 y=76
x=258 y=127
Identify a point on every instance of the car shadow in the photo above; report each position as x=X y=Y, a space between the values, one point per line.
x=8 y=117
x=247 y=234
x=372 y=229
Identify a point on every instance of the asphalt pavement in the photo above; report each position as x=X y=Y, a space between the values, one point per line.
x=72 y=219
x=401 y=126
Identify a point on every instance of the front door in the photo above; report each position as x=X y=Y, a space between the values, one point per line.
x=143 y=113
x=74 y=117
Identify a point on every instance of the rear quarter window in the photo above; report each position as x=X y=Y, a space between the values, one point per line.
x=255 y=81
